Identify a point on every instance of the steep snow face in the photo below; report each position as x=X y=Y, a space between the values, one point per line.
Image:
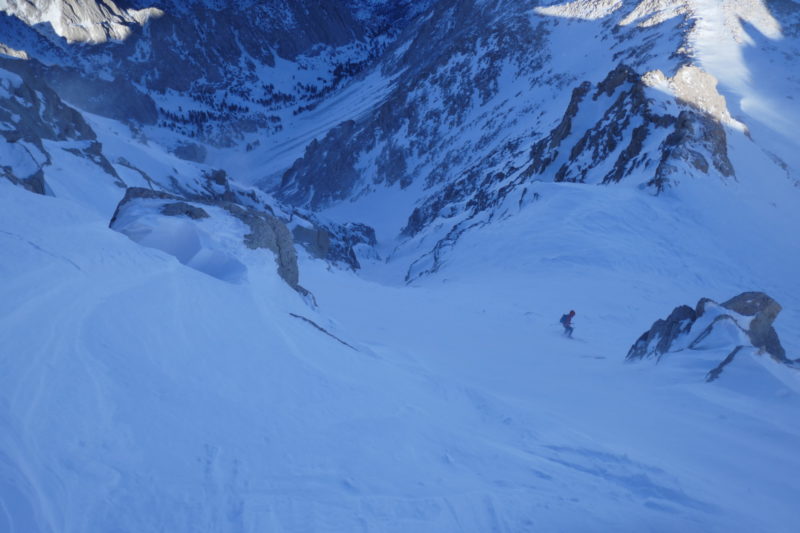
x=139 y=394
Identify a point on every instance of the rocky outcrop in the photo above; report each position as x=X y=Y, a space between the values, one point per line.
x=694 y=137
x=32 y=113
x=84 y=21
x=137 y=193
x=316 y=240
x=332 y=165
x=745 y=320
x=177 y=209
x=266 y=231
x=10 y=52
x=35 y=110
x=660 y=337
x=764 y=311
x=699 y=136
x=340 y=244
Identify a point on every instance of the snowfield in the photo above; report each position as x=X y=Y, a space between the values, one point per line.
x=139 y=394
x=162 y=377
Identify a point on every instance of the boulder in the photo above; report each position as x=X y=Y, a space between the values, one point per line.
x=764 y=311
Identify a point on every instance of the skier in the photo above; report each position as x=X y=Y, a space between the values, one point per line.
x=566 y=321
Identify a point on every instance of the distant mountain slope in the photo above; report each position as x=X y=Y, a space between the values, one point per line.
x=214 y=70
x=490 y=97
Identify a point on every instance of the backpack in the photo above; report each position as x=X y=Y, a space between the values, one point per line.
x=564 y=319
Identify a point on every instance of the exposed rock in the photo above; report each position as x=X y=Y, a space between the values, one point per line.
x=699 y=133
x=218 y=46
x=93 y=151
x=332 y=165
x=176 y=209
x=87 y=21
x=714 y=374
x=544 y=152
x=31 y=113
x=10 y=52
x=267 y=231
x=336 y=243
x=700 y=308
x=697 y=88
x=346 y=237
x=135 y=193
x=764 y=310
x=662 y=334
x=755 y=304
x=36 y=110
x=648 y=13
x=218 y=176
x=747 y=316
x=316 y=240
x=34 y=183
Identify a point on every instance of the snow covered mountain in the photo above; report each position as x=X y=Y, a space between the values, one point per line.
x=474 y=120
x=298 y=265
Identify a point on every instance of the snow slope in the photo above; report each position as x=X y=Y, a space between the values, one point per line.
x=141 y=395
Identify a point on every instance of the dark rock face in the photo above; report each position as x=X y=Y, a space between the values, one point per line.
x=346 y=238
x=31 y=112
x=684 y=329
x=134 y=193
x=659 y=338
x=333 y=242
x=316 y=241
x=755 y=304
x=37 y=111
x=545 y=151
x=35 y=183
x=177 y=209
x=694 y=135
x=330 y=163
